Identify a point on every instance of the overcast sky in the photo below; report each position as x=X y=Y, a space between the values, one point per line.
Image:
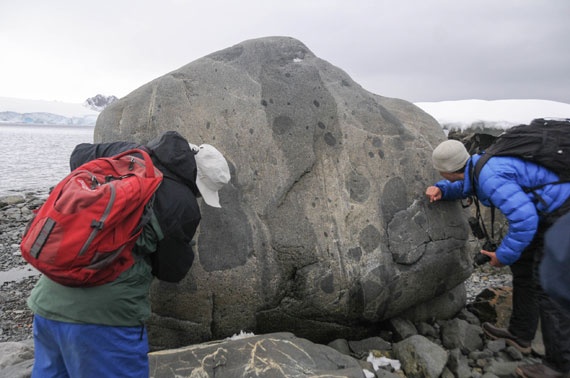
x=417 y=50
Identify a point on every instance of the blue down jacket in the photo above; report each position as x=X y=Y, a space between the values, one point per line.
x=501 y=183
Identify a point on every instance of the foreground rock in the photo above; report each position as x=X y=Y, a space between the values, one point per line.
x=273 y=355
x=16 y=359
x=324 y=230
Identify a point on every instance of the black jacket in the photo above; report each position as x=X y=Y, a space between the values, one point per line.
x=175 y=204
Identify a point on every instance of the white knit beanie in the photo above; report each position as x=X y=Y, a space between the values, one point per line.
x=449 y=156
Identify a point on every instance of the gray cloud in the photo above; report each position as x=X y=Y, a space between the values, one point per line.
x=418 y=50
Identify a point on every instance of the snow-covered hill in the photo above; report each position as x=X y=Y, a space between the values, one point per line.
x=40 y=112
x=452 y=115
x=498 y=114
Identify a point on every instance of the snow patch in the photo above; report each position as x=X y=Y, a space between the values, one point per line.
x=497 y=114
x=241 y=335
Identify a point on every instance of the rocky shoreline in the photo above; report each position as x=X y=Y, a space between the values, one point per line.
x=17 y=278
x=491 y=359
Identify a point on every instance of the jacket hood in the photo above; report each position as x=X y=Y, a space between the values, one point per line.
x=172 y=151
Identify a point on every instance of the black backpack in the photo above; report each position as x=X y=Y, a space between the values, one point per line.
x=543 y=141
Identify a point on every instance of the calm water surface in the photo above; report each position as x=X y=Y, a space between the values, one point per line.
x=35 y=158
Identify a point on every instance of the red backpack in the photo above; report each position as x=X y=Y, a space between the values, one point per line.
x=84 y=233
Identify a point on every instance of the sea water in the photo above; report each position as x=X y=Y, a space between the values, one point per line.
x=35 y=158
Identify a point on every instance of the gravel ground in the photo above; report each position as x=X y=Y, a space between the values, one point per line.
x=17 y=278
x=15 y=317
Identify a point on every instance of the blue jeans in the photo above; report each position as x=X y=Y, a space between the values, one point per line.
x=70 y=350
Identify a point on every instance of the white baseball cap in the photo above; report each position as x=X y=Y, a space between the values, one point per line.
x=213 y=172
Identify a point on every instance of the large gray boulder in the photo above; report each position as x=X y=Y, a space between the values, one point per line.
x=324 y=230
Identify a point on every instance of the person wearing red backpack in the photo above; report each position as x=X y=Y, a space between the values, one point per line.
x=99 y=331
x=501 y=183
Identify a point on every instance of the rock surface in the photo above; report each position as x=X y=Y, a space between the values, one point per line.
x=324 y=230
x=272 y=355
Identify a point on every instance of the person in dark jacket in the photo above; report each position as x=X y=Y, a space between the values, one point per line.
x=99 y=331
x=555 y=264
x=501 y=184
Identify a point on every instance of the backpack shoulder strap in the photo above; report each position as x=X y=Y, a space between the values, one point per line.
x=479 y=165
x=474 y=173
x=481 y=221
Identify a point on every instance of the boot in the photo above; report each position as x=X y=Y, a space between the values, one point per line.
x=537 y=371
x=524 y=346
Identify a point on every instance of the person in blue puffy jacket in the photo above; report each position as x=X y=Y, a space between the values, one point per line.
x=501 y=183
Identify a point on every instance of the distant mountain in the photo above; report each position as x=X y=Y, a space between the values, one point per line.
x=99 y=102
x=40 y=112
